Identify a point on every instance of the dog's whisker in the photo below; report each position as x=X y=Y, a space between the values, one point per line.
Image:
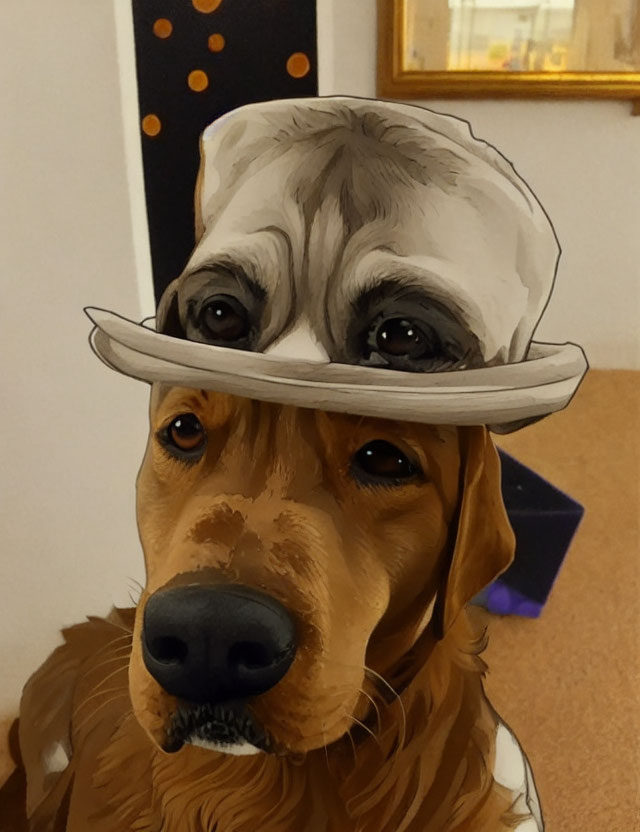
x=106 y=647
x=363 y=726
x=398 y=698
x=353 y=746
x=113 y=642
x=380 y=678
x=367 y=672
x=375 y=705
x=94 y=696
x=98 y=688
x=113 y=673
x=136 y=583
x=123 y=657
x=135 y=591
x=113 y=649
x=326 y=752
x=110 y=701
x=123 y=649
x=379 y=681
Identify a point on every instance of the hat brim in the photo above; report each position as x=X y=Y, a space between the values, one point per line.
x=504 y=397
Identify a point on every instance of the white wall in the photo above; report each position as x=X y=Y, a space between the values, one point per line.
x=582 y=159
x=72 y=432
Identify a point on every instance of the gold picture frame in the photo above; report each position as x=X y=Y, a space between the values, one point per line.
x=397 y=79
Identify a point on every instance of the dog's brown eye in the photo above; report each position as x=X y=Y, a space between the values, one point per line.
x=380 y=461
x=225 y=319
x=185 y=434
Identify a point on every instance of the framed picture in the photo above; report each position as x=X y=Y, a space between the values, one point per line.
x=499 y=48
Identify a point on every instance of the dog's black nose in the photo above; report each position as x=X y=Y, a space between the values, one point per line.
x=216 y=643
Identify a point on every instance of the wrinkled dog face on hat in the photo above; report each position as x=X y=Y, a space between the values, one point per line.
x=361 y=232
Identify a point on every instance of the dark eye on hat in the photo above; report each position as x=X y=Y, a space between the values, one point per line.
x=220 y=304
x=404 y=337
x=401 y=328
x=381 y=463
x=184 y=437
x=408 y=343
x=224 y=320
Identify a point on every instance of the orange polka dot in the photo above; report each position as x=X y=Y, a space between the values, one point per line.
x=151 y=125
x=298 y=65
x=216 y=43
x=162 y=28
x=206 y=6
x=198 y=80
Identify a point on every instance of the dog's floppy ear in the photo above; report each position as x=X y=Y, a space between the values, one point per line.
x=49 y=707
x=484 y=540
x=168 y=314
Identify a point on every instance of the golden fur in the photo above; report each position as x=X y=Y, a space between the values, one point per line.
x=380 y=725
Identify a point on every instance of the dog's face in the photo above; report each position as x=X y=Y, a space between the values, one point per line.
x=290 y=549
x=287 y=550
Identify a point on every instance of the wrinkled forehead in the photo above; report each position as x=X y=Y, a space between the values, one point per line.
x=260 y=162
x=317 y=177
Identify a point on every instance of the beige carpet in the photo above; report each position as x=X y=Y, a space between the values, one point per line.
x=569 y=683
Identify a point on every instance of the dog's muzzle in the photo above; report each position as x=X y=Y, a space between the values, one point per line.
x=216 y=644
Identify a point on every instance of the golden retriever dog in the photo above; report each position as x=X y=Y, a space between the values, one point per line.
x=301 y=658
x=348 y=680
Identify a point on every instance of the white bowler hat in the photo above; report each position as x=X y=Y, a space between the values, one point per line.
x=359 y=256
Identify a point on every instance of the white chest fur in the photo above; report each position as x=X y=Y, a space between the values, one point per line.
x=512 y=770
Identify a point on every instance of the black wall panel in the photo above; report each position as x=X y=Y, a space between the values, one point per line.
x=197 y=59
